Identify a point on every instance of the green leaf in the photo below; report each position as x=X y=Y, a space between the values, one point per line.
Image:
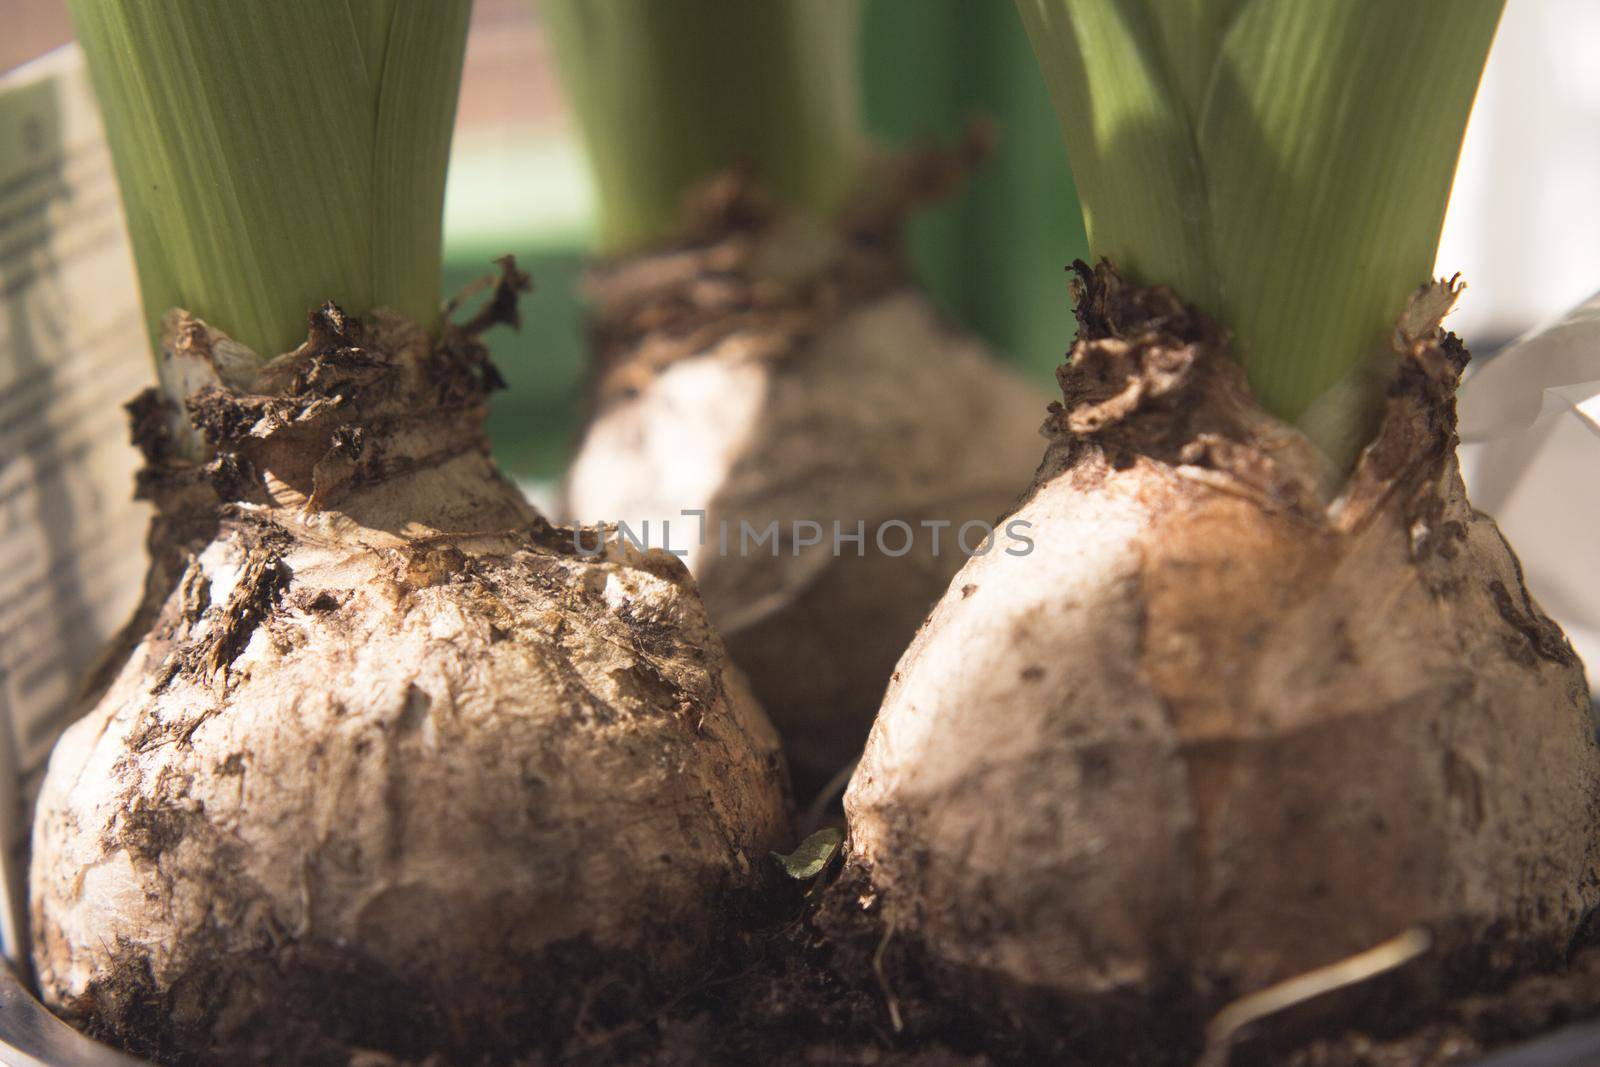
x=1127 y=137
x=1285 y=165
x=668 y=94
x=276 y=155
x=813 y=855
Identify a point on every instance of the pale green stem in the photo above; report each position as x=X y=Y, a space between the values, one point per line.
x=273 y=156
x=1284 y=164
x=669 y=94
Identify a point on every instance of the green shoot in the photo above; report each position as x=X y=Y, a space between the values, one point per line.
x=669 y=94
x=1284 y=165
x=276 y=155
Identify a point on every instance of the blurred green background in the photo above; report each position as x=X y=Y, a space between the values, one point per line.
x=993 y=257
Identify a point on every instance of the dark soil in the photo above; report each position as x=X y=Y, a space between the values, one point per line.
x=817 y=979
x=822 y=984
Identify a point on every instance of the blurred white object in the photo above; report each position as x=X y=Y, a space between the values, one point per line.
x=1524 y=224
x=543 y=494
x=72 y=350
x=1530 y=453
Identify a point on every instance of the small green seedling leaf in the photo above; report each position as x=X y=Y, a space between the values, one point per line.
x=813 y=855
